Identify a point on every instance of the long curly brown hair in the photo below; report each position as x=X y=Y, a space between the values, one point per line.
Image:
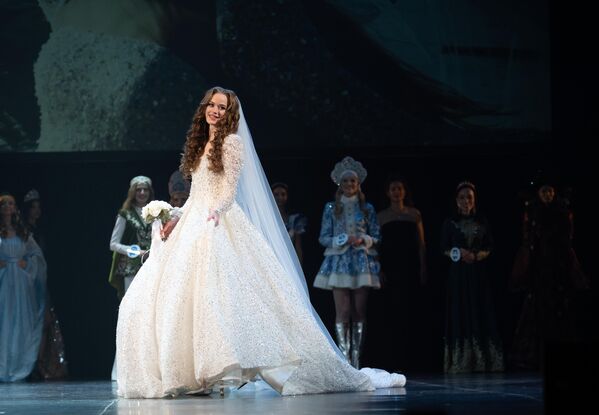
x=198 y=134
x=15 y=220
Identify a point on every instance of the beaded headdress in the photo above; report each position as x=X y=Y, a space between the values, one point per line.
x=348 y=166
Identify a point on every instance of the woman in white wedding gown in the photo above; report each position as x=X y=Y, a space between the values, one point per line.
x=223 y=301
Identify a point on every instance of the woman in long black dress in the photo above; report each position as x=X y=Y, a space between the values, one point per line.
x=547 y=272
x=396 y=312
x=472 y=341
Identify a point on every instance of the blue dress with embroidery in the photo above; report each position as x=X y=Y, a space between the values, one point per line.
x=345 y=266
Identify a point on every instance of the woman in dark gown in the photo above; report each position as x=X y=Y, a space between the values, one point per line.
x=472 y=341
x=396 y=311
x=547 y=272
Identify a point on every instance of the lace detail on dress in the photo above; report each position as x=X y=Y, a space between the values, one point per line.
x=233 y=163
x=214 y=305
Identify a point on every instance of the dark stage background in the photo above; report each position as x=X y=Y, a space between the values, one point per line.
x=508 y=90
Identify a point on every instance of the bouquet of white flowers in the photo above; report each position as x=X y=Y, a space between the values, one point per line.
x=156 y=209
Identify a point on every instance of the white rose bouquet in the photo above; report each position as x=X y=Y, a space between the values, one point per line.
x=156 y=209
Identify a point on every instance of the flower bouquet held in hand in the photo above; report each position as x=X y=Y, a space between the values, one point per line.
x=156 y=210
x=163 y=217
x=170 y=225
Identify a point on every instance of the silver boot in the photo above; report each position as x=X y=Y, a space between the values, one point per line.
x=343 y=338
x=357 y=341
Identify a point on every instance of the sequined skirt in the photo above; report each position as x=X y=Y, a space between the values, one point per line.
x=352 y=269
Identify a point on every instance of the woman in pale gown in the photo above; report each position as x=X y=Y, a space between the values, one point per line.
x=223 y=300
x=22 y=294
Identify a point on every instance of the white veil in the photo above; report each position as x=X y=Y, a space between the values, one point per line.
x=255 y=198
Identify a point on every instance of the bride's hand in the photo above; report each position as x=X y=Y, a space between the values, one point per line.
x=168 y=228
x=214 y=215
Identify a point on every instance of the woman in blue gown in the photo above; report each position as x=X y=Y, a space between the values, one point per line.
x=22 y=294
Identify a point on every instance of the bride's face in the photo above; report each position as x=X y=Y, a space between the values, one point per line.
x=216 y=108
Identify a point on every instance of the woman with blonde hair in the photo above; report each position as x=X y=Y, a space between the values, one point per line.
x=130 y=229
x=349 y=233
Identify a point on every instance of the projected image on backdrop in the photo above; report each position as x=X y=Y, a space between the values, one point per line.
x=127 y=75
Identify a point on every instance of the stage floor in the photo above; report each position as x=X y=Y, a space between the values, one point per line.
x=463 y=394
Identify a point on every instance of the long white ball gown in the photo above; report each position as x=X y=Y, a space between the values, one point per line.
x=211 y=306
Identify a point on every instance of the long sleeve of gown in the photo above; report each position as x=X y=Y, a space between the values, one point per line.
x=117 y=235
x=232 y=164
